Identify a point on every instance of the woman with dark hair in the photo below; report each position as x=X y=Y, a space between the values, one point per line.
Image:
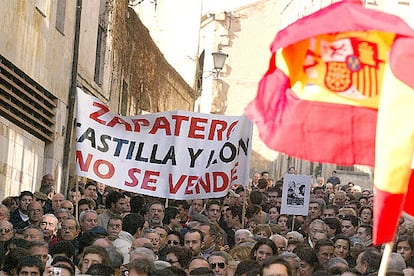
x=282 y=221
x=308 y=260
x=262 y=250
x=342 y=249
x=405 y=247
x=274 y=213
x=365 y=215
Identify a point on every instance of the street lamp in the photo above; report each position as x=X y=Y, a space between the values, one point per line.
x=219 y=58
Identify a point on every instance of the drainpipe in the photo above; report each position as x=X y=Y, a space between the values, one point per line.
x=71 y=102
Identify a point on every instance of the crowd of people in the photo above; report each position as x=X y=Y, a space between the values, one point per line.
x=100 y=230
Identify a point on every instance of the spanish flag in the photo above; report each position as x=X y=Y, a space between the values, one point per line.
x=339 y=89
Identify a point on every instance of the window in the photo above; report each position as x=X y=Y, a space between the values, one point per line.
x=101 y=44
x=60 y=16
x=26 y=103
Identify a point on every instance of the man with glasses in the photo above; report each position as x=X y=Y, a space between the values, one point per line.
x=219 y=263
x=154 y=237
x=114 y=227
x=156 y=214
x=35 y=212
x=173 y=238
x=6 y=231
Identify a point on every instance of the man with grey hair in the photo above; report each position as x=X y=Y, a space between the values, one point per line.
x=280 y=242
x=396 y=264
x=296 y=236
x=316 y=226
x=293 y=260
x=49 y=226
x=33 y=233
x=337 y=265
x=87 y=220
x=340 y=199
x=142 y=253
x=241 y=235
x=155 y=213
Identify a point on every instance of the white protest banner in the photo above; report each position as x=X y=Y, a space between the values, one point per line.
x=176 y=154
x=296 y=194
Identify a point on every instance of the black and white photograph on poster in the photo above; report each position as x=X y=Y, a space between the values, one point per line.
x=296 y=193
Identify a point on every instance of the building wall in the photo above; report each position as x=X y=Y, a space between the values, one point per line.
x=21 y=159
x=153 y=84
x=174 y=27
x=33 y=44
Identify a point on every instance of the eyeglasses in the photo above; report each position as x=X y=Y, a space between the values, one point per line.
x=173 y=242
x=220 y=265
x=5 y=230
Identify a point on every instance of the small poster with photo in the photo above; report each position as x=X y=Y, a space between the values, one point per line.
x=295 y=195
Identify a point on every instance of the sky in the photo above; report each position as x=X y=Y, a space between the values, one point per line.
x=220 y=5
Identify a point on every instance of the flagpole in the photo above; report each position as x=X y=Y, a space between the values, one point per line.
x=385 y=258
x=77 y=200
x=244 y=208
